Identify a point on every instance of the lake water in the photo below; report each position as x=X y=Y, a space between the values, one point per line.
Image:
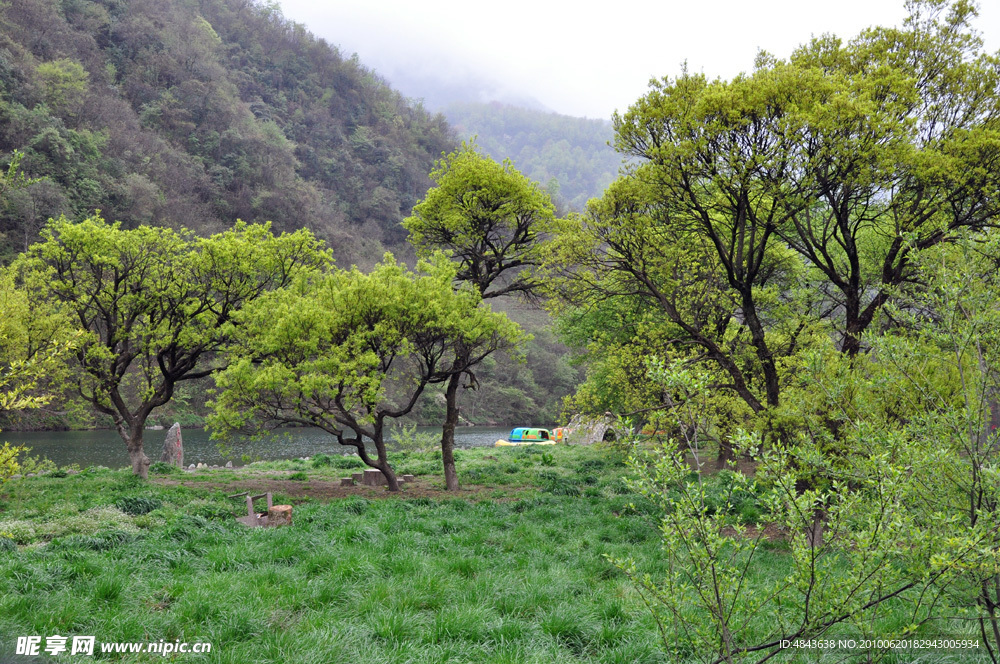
x=105 y=447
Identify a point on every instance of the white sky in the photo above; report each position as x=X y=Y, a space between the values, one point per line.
x=584 y=59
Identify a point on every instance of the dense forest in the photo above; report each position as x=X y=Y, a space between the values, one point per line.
x=196 y=114
x=570 y=156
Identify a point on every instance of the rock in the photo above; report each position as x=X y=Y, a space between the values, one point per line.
x=201 y=466
x=215 y=467
x=346 y=481
x=229 y=464
x=72 y=471
x=15 y=477
x=373 y=477
x=173 y=447
x=31 y=475
x=191 y=467
x=279 y=515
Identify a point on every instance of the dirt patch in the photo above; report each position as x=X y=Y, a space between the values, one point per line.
x=315 y=489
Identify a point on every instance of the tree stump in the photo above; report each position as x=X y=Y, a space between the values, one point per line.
x=279 y=515
x=373 y=477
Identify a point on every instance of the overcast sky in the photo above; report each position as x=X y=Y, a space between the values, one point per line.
x=579 y=59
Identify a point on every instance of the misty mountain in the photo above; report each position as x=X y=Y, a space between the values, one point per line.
x=569 y=156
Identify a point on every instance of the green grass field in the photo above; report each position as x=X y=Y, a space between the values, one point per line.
x=513 y=570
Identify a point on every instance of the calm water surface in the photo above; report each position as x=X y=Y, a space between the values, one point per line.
x=105 y=448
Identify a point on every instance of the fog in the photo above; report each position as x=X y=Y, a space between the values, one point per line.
x=577 y=59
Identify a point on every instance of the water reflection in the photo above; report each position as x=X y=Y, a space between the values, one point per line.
x=105 y=448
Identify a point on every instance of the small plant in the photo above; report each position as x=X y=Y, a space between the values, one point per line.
x=7 y=543
x=136 y=505
x=406 y=438
x=164 y=468
x=298 y=477
x=547 y=459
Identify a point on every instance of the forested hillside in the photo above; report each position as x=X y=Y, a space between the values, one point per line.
x=569 y=156
x=195 y=114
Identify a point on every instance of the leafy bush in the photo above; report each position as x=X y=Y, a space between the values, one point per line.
x=136 y=505
x=298 y=477
x=164 y=468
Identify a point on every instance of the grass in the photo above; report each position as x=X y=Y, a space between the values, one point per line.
x=518 y=574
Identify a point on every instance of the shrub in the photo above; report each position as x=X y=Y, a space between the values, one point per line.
x=136 y=505
x=164 y=468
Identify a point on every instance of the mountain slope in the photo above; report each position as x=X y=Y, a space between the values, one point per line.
x=197 y=113
x=569 y=156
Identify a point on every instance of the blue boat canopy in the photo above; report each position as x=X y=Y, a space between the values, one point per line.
x=526 y=433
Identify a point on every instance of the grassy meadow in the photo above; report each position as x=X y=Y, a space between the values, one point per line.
x=510 y=570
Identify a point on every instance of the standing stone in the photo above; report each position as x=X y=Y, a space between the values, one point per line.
x=173 y=447
x=229 y=464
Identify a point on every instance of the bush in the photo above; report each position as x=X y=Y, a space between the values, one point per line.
x=346 y=461
x=7 y=543
x=298 y=477
x=136 y=505
x=164 y=468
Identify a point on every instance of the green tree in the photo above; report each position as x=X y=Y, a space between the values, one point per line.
x=155 y=304
x=490 y=219
x=786 y=207
x=350 y=352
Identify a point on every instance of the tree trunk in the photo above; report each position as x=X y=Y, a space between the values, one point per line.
x=726 y=454
x=382 y=462
x=140 y=462
x=448 y=432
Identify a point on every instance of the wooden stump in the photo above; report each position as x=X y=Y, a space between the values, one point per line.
x=346 y=481
x=279 y=515
x=409 y=478
x=373 y=477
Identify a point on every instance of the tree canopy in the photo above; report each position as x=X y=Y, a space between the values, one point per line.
x=349 y=352
x=155 y=304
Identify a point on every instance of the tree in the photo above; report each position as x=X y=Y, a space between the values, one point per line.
x=490 y=219
x=803 y=193
x=155 y=304
x=348 y=352
x=33 y=345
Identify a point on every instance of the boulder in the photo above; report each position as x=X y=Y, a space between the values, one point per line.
x=229 y=464
x=279 y=515
x=173 y=447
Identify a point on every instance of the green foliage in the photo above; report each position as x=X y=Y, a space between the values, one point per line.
x=349 y=352
x=136 y=505
x=183 y=116
x=569 y=156
x=154 y=304
x=488 y=216
x=736 y=244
